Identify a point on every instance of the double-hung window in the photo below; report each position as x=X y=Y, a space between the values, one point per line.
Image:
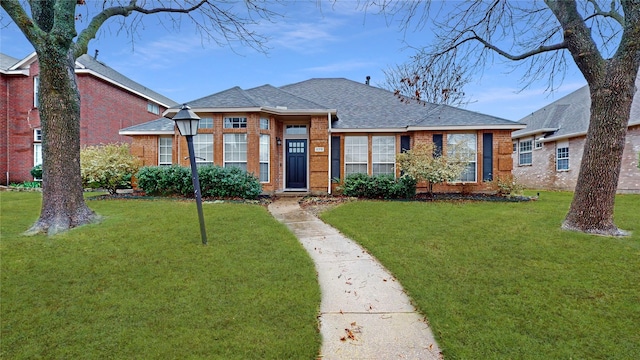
x=562 y=156
x=36 y=91
x=525 y=152
x=464 y=146
x=383 y=155
x=264 y=157
x=153 y=108
x=165 y=148
x=235 y=122
x=203 y=149
x=356 y=154
x=235 y=150
x=264 y=124
x=37 y=147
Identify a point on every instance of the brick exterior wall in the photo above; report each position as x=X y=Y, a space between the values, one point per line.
x=104 y=110
x=319 y=155
x=542 y=173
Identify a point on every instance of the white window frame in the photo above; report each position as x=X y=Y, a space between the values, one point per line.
x=264 y=124
x=165 y=150
x=525 y=147
x=37 y=147
x=265 y=153
x=153 y=108
x=235 y=122
x=470 y=140
x=356 y=154
x=235 y=150
x=296 y=129
x=37 y=154
x=203 y=149
x=538 y=144
x=383 y=152
x=565 y=159
x=36 y=91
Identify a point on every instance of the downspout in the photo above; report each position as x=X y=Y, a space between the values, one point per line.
x=329 y=142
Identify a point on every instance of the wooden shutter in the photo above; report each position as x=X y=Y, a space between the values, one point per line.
x=335 y=157
x=405 y=143
x=487 y=157
x=437 y=145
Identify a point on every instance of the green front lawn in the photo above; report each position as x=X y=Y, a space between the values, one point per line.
x=141 y=286
x=502 y=281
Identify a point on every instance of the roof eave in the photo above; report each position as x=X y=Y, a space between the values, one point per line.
x=368 y=130
x=468 y=127
x=24 y=72
x=28 y=60
x=146 y=132
x=533 y=132
x=109 y=80
x=276 y=111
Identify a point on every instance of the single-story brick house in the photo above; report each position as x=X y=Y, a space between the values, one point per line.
x=305 y=136
x=548 y=152
x=109 y=102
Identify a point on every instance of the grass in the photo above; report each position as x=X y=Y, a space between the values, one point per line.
x=502 y=281
x=141 y=285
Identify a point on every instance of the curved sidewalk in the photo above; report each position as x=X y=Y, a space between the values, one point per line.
x=364 y=312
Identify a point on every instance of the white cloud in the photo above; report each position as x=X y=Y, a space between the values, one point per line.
x=340 y=67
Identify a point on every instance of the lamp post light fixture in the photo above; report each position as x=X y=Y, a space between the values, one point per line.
x=187 y=122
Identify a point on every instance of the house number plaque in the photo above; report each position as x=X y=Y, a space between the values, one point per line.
x=319 y=149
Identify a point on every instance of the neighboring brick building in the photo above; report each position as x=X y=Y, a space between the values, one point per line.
x=109 y=102
x=300 y=137
x=548 y=152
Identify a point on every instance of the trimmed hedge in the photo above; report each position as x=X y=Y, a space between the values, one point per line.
x=215 y=181
x=379 y=187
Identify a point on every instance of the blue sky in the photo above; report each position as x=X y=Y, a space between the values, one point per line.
x=307 y=41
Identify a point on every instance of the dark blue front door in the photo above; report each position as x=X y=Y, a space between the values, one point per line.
x=296 y=164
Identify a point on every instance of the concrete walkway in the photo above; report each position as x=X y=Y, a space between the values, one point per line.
x=364 y=312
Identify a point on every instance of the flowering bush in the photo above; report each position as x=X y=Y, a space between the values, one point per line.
x=422 y=164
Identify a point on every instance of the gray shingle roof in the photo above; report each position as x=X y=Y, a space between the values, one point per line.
x=102 y=69
x=262 y=96
x=368 y=107
x=7 y=61
x=162 y=125
x=568 y=116
x=356 y=105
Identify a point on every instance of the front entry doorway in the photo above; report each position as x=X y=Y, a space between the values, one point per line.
x=296 y=164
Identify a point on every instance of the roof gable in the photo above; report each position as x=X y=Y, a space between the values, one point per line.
x=86 y=63
x=569 y=116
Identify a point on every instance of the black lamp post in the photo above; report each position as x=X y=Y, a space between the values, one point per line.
x=187 y=123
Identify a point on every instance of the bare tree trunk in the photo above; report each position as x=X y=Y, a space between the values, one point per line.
x=63 y=205
x=593 y=202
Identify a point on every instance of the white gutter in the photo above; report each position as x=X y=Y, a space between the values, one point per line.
x=24 y=72
x=533 y=132
x=369 y=130
x=265 y=109
x=468 y=127
x=145 y=132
